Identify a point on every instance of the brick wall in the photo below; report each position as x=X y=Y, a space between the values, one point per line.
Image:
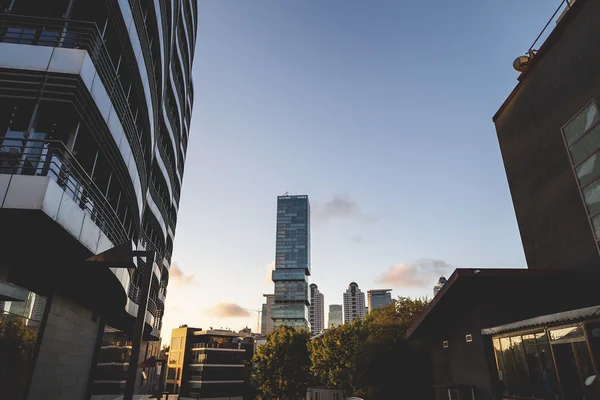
x=65 y=356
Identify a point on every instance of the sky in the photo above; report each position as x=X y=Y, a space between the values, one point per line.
x=381 y=112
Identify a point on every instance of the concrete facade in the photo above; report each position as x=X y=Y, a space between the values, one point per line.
x=66 y=349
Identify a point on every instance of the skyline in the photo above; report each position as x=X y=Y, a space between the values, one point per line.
x=391 y=184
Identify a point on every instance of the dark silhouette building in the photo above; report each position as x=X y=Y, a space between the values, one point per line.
x=535 y=333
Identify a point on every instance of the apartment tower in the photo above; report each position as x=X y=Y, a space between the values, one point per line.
x=95 y=105
x=292 y=262
x=354 y=303
x=316 y=310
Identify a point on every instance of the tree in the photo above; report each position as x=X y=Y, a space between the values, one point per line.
x=333 y=356
x=281 y=366
x=371 y=358
x=17 y=345
x=392 y=366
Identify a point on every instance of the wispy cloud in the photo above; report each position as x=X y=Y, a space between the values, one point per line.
x=416 y=274
x=178 y=276
x=267 y=269
x=228 y=310
x=340 y=207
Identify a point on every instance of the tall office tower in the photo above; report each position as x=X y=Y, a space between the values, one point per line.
x=354 y=303
x=439 y=285
x=292 y=262
x=379 y=298
x=95 y=107
x=267 y=326
x=316 y=310
x=336 y=316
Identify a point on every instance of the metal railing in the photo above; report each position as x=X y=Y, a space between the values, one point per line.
x=52 y=159
x=169 y=160
x=563 y=8
x=52 y=32
x=161 y=204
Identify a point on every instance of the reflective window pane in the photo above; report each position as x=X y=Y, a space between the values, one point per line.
x=569 y=334
x=20 y=321
x=584 y=120
x=591 y=195
x=589 y=170
x=586 y=145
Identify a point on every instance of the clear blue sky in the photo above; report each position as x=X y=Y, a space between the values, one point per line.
x=380 y=111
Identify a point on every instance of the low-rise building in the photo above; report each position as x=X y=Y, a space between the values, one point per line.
x=208 y=364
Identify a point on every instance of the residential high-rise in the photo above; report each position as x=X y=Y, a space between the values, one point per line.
x=336 y=316
x=267 y=325
x=95 y=107
x=354 y=303
x=379 y=298
x=440 y=284
x=292 y=262
x=316 y=310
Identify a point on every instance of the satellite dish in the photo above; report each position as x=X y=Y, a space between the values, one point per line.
x=521 y=63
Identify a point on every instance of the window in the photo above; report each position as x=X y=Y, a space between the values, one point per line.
x=582 y=137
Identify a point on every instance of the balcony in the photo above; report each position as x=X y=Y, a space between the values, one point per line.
x=160 y=203
x=52 y=159
x=71 y=34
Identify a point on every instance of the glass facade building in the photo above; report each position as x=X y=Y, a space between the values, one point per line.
x=336 y=315
x=378 y=298
x=292 y=262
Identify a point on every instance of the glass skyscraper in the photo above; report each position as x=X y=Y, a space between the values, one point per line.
x=292 y=262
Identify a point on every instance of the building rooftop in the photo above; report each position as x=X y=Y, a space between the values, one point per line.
x=222 y=332
x=557 y=289
x=563 y=16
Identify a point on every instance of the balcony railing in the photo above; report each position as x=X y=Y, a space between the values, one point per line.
x=52 y=159
x=161 y=204
x=71 y=34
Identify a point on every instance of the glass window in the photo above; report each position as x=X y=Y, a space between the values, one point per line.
x=588 y=170
x=510 y=376
x=521 y=368
x=582 y=122
x=591 y=195
x=568 y=334
x=586 y=145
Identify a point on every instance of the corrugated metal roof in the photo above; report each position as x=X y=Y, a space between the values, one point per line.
x=550 y=319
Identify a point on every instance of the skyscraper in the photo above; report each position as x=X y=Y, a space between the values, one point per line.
x=354 y=303
x=95 y=113
x=336 y=316
x=316 y=310
x=292 y=262
x=379 y=298
x=267 y=325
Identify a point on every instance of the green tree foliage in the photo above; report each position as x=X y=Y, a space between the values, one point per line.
x=371 y=358
x=281 y=366
x=17 y=345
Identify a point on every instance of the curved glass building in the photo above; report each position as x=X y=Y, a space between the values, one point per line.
x=95 y=105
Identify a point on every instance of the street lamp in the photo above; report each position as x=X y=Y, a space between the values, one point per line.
x=125 y=256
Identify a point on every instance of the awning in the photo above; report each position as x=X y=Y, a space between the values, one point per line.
x=550 y=319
